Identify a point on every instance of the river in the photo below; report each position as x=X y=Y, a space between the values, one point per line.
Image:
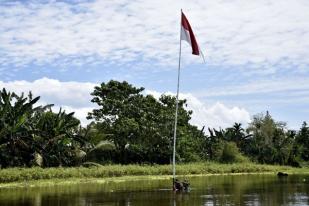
x=206 y=190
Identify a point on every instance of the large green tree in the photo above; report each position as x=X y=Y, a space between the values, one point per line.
x=141 y=126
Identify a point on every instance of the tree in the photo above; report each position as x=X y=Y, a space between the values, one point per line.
x=16 y=148
x=269 y=142
x=231 y=154
x=213 y=144
x=56 y=137
x=302 y=141
x=238 y=135
x=140 y=126
x=29 y=134
x=117 y=113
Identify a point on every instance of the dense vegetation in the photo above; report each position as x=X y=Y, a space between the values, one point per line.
x=200 y=168
x=130 y=127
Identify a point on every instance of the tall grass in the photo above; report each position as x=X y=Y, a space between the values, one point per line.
x=36 y=173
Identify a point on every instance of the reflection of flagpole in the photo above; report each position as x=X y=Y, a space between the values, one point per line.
x=176 y=113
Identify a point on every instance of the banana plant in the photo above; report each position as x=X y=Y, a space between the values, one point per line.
x=16 y=146
x=57 y=136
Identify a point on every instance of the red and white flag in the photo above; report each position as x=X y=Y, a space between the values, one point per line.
x=188 y=35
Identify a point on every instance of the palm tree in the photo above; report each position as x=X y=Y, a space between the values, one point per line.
x=237 y=134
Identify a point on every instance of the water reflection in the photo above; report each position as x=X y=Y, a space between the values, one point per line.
x=212 y=190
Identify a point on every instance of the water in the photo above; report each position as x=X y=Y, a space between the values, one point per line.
x=211 y=190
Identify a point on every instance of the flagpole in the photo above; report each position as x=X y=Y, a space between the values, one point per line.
x=176 y=112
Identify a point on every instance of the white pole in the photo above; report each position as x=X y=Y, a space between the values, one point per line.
x=176 y=113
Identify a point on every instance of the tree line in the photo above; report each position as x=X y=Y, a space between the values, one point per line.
x=130 y=127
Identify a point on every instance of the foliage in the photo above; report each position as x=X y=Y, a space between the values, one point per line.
x=231 y=154
x=141 y=126
x=270 y=142
x=35 y=173
x=131 y=127
x=238 y=135
x=16 y=137
x=302 y=142
x=56 y=135
x=29 y=133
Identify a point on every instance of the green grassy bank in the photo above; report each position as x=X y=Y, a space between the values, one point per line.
x=22 y=175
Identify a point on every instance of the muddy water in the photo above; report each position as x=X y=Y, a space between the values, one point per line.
x=208 y=190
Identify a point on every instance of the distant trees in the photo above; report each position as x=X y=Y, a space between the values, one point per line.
x=270 y=142
x=264 y=141
x=131 y=127
x=302 y=142
x=221 y=145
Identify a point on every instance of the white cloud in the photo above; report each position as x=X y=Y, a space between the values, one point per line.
x=262 y=33
x=79 y=113
x=213 y=116
x=75 y=97
x=71 y=96
x=216 y=115
x=76 y=94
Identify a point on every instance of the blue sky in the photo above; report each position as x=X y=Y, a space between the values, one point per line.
x=257 y=55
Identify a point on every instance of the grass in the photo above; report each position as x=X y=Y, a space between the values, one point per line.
x=22 y=175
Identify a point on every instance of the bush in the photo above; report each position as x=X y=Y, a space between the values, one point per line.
x=231 y=154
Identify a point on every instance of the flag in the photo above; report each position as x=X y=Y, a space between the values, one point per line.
x=188 y=35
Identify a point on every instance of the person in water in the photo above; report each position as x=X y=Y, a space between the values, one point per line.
x=177 y=186
x=186 y=185
x=181 y=186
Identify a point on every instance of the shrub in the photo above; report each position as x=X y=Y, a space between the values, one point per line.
x=231 y=154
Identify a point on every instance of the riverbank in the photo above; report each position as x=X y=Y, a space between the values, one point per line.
x=38 y=176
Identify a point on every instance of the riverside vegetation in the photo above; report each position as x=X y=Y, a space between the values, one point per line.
x=11 y=175
x=129 y=127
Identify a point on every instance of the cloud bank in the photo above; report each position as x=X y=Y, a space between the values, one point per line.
x=263 y=34
x=75 y=97
x=214 y=116
x=71 y=96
